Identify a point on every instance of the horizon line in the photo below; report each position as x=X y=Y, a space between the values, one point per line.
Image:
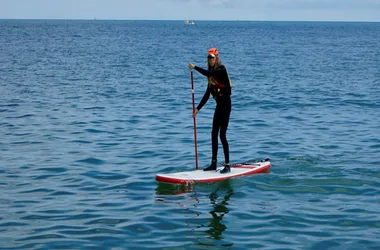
x=197 y=20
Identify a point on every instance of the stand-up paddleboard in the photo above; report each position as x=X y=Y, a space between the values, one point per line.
x=238 y=169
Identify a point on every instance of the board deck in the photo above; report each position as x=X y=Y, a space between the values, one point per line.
x=238 y=169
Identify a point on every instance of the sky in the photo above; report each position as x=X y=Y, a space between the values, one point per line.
x=255 y=10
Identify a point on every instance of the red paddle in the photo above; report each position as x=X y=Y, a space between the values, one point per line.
x=195 y=123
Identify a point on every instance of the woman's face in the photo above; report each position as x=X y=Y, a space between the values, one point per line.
x=212 y=61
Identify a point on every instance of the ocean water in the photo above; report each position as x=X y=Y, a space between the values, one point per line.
x=91 y=111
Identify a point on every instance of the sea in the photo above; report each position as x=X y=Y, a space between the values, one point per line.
x=92 y=110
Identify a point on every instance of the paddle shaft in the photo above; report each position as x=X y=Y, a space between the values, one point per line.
x=195 y=122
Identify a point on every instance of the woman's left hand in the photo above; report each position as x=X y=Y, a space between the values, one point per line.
x=191 y=66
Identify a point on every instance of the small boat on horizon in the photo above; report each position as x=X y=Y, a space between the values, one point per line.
x=188 y=22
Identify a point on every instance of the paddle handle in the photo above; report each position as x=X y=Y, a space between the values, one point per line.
x=194 y=120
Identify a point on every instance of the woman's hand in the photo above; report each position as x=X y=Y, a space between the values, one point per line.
x=191 y=66
x=195 y=112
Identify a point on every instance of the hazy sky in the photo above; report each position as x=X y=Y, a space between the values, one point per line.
x=305 y=10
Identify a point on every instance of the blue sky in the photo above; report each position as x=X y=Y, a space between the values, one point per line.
x=286 y=10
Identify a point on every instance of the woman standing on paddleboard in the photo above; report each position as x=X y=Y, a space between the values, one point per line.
x=219 y=86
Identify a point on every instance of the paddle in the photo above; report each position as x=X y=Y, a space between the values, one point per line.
x=195 y=123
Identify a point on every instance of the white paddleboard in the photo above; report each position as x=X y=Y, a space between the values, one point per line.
x=238 y=169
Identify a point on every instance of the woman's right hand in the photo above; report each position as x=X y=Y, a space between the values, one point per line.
x=195 y=112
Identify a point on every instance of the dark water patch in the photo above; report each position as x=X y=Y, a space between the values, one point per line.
x=93 y=231
x=107 y=221
x=9 y=125
x=59 y=212
x=94 y=188
x=53 y=169
x=56 y=243
x=45 y=176
x=298 y=189
x=37 y=190
x=110 y=204
x=335 y=244
x=79 y=217
x=13 y=176
x=143 y=154
x=133 y=121
x=347 y=223
x=118 y=120
x=98 y=131
x=42 y=237
x=74 y=153
x=93 y=161
x=366 y=171
x=104 y=175
x=27 y=142
x=28 y=166
x=10 y=105
x=330 y=147
x=123 y=187
x=338 y=182
x=78 y=123
x=58 y=228
x=95 y=108
x=139 y=185
x=106 y=145
x=293 y=118
x=354 y=210
x=62 y=193
x=79 y=97
x=76 y=79
x=81 y=141
x=13 y=224
x=42 y=217
x=362 y=103
x=140 y=228
x=26 y=202
x=104 y=242
x=21 y=116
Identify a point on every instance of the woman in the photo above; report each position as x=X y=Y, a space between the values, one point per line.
x=219 y=87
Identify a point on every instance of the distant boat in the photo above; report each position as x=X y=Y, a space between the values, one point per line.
x=188 y=22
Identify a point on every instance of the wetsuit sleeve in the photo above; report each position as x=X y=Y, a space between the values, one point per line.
x=205 y=98
x=209 y=73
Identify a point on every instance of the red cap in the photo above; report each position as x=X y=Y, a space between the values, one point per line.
x=213 y=52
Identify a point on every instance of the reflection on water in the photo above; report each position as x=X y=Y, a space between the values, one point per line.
x=220 y=209
x=173 y=189
x=192 y=198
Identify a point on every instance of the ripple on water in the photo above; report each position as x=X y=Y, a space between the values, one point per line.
x=91 y=160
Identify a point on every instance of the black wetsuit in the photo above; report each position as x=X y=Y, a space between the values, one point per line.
x=220 y=89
